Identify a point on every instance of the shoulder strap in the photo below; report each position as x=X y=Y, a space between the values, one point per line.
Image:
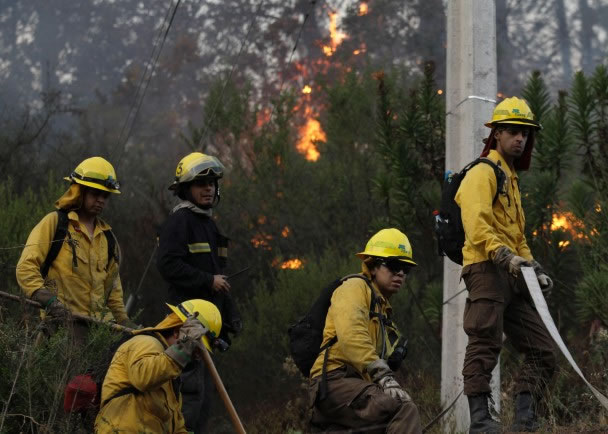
x=111 y=246
x=61 y=232
x=501 y=177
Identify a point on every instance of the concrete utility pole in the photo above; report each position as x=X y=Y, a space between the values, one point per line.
x=471 y=91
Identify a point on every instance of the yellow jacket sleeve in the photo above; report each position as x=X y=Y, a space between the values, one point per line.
x=475 y=199
x=349 y=310
x=149 y=367
x=37 y=248
x=115 y=298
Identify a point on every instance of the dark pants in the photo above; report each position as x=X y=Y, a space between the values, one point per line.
x=196 y=389
x=498 y=303
x=353 y=402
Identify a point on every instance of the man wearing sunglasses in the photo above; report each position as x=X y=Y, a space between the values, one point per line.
x=192 y=256
x=70 y=262
x=495 y=249
x=353 y=381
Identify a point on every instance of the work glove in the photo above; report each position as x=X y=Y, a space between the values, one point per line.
x=188 y=341
x=545 y=282
x=54 y=309
x=509 y=261
x=382 y=375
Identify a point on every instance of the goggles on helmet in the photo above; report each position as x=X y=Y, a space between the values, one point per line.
x=108 y=183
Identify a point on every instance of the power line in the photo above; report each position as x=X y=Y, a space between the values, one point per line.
x=149 y=71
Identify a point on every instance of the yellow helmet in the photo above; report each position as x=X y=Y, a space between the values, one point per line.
x=96 y=172
x=208 y=315
x=389 y=243
x=513 y=111
x=196 y=165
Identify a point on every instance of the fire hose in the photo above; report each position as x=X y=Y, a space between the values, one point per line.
x=234 y=417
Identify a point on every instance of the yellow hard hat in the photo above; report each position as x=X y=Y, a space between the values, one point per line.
x=389 y=243
x=513 y=111
x=208 y=315
x=96 y=172
x=197 y=165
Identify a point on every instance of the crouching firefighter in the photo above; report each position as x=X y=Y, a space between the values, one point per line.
x=141 y=390
x=192 y=256
x=352 y=382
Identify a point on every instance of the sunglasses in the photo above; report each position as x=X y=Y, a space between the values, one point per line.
x=395 y=266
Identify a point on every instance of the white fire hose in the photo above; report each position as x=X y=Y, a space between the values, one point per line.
x=543 y=311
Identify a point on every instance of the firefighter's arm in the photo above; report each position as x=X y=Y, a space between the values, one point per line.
x=34 y=253
x=148 y=365
x=172 y=251
x=115 y=297
x=523 y=250
x=475 y=197
x=350 y=312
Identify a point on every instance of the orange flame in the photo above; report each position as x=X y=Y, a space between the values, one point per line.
x=363 y=9
x=292 y=264
x=261 y=241
x=568 y=223
x=306 y=89
x=335 y=35
x=309 y=134
x=285 y=232
x=439 y=91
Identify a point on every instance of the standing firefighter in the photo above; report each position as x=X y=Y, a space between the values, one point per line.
x=495 y=248
x=140 y=392
x=192 y=256
x=352 y=382
x=70 y=262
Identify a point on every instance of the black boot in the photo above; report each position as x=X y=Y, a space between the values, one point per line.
x=481 y=420
x=525 y=413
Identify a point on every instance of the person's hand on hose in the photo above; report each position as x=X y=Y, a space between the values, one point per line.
x=54 y=309
x=382 y=375
x=509 y=261
x=220 y=283
x=545 y=282
x=188 y=341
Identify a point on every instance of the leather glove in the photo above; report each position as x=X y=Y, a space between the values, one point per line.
x=545 y=282
x=509 y=261
x=127 y=322
x=55 y=309
x=189 y=340
x=382 y=375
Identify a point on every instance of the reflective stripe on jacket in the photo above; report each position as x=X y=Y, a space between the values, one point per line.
x=488 y=226
x=141 y=362
x=90 y=286
x=359 y=336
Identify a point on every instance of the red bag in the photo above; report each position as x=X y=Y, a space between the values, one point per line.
x=80 y=394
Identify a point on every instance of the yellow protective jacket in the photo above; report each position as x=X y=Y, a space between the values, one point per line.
x=359 y=336
x=91 y=288
x=142 y=363
x=489 y=226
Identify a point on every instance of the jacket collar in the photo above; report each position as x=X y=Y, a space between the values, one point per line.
x=495 y=156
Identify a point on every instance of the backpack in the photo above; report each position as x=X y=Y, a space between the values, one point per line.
x=83 y=391
x=448 y=221
x=61 y=232
x=306 y=335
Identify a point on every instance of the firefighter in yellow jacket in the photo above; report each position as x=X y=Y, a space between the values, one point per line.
x=495 y=249
x=140 y=392
x=352 y=383
x=70 y=262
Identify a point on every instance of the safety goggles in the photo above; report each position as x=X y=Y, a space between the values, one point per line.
x=395 y=266
x=108 y=183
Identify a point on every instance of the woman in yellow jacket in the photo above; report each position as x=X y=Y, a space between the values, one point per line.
x=140 y=393
x=83 y=277
x=360 y=389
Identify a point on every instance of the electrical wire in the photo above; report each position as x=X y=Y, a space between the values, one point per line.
x=150 y=68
